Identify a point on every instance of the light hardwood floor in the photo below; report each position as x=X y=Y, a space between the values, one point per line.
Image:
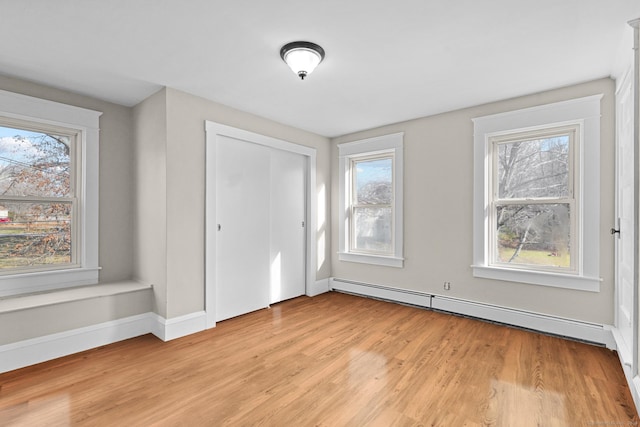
x=332 y=360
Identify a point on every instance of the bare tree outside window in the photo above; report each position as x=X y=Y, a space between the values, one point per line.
x=372 y=205
x=36 y=199
x=533 y=200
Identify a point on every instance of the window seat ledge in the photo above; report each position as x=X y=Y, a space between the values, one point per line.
x=61 y=296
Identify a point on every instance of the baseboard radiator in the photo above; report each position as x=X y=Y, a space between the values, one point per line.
x=568 y=328
x=387 y=293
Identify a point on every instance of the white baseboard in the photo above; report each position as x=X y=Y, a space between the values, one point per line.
x=624 y=352
x=169 y=329
x=626 y=362
x=383 y=292
x=36 y=350
x=319 y=287
x=584 y=331
x=634 y=385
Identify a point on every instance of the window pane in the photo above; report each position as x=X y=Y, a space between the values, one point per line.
x=373 y=182
x=33 y=234
x=372 y=229
x=34 y=163
x=536 y=235
x=535 y=168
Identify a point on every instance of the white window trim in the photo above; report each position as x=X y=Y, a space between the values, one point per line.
x=392 y=143
x=586 y=112
x=573 y=131
x=86 y=122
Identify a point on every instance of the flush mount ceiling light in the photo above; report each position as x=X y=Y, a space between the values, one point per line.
x=302 y=57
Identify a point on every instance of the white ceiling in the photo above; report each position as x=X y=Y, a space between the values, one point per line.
x=386 y=60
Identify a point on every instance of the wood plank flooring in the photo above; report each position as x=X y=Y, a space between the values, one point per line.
x=332 y=360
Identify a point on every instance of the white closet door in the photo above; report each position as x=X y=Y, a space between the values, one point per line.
x=287 y=208
x=260 y=230
x=242 y=216
x=625 y=251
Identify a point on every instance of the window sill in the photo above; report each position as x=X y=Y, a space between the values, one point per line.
x=386 y=261
x=556 y=280
x=40 y=281
x=25 y=302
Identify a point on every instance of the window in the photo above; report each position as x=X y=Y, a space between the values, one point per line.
x=37 y=198
x=536 y=208
x=532 y=200
x=371 y=201
x=48 y=195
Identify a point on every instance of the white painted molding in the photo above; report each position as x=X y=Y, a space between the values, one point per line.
x=390 y=144
x=36 y=350
x=212 y=131
x=41 y=349
x=62 y=296
x=624 y=352
x=319 y=287
x=584 y=112
x=634 y=385
x=86 y=123
x=177 y=327
x=609 y=339
x=625 y=358
x=383 y=292
x=585 y=331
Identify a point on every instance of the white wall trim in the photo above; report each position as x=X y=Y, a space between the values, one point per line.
x=41 y=349
x=585 y=331
x=212 y=131
x=624 y=352
x=317 y=288
x=36 y=350
x=634 y=387
x=177 y=327
x=625 y=357
x=391 y=144
x=86 y=123
x=380 y=291
x=62 y=296
x=584 y=112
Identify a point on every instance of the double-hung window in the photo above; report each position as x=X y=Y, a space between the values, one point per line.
x=371 y=201
x=38 y=226
x=371 y=207
x=536 y=195
x=534 y=211
x=48 y=195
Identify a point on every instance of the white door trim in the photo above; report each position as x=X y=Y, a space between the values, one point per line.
x=212 y=130
x=624 y=333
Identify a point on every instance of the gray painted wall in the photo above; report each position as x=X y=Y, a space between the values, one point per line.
x=150 y=197
x=116 y=225
x=438 y=197
x=152 y=169
x=116 y=174
x=170 y=128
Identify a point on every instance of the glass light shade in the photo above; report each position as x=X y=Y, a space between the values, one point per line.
x=302 y=60
x=302 y=57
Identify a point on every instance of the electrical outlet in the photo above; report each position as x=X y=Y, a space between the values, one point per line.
x=447 y=286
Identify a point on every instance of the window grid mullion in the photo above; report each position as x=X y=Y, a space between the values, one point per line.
x=353 y=198
x=570 y=199
x=539 y=201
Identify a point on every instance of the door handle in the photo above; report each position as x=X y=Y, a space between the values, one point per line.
x=219 y=227
x=614 y=231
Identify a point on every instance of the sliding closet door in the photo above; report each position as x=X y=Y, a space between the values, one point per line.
x=242 y=237
x=287 y=207
x=259 y=226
